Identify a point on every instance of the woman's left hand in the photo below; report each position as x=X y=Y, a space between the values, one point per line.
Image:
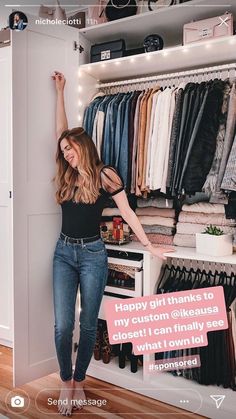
x=159 y=251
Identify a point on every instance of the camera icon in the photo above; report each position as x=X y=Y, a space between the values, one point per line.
x=17 y=401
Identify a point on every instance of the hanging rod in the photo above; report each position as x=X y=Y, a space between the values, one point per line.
x=230 y=66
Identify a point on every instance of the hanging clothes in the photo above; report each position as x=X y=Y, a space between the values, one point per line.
x=202 y=143
x=169 y=139
x=229 y=179
x=146 y=138
x=218 y=361
x=210 y=185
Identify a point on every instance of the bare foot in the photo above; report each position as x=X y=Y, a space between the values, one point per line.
x=66 y=395
x=78 y=394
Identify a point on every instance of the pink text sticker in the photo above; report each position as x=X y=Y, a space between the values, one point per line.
x=164 y=322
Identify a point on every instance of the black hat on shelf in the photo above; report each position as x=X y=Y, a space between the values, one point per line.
x=153 y=42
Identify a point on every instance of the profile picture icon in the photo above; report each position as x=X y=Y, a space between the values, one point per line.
x=18 y=21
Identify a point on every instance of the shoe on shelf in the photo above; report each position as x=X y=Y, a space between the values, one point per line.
x=122 y=356
x=134 y=363
x=106 y=347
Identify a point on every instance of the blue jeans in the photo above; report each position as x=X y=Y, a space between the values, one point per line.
x=77 y=265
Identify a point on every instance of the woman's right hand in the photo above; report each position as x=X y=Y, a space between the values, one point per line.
x=59 y=81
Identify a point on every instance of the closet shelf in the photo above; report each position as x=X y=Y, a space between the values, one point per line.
x=166 y=21
x=180 y=253
x=191 y=254
x=168 y=60
x=121 y=375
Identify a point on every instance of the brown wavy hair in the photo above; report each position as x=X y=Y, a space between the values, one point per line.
x=86 y=178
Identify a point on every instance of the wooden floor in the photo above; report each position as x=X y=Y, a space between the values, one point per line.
x=120 y=403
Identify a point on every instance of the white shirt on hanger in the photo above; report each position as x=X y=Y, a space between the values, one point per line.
x=159 y=139
x=151 y=126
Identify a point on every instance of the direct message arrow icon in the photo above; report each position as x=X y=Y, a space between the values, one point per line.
x=218 y=399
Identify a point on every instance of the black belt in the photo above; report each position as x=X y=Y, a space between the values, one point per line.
x=79 y=241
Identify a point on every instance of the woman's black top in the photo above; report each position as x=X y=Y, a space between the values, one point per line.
x=81 y=220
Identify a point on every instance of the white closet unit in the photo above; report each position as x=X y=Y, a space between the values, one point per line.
x=164 y=386
x=216 y=57
x=30 y=222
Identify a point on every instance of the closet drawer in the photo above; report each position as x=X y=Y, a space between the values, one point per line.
x=121 y=257
x=133 y=263
x=136 y=292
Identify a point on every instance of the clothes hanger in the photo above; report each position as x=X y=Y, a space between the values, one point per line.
x=190 y=273
x=202 y=278
x=166 y=268
x=211 y=276
x=215 y=275
x=233 y=287
x=180 y=276
x=170 y=279
x=196 y=278
x=155 y=88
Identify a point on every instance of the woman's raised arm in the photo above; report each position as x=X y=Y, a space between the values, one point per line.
x=61 y=119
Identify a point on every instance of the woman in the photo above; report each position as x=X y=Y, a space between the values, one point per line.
x=80 y=259
x=18 y=22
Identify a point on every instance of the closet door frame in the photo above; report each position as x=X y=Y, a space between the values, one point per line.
x=6 y=251
x=36 y=216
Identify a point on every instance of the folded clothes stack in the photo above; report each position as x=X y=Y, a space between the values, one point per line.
x=157 y=217
x=196 y=217
x=157 y=239
x=111 y=212
x=158 y=202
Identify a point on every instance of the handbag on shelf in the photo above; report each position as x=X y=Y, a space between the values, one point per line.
x=107 y=50
x=118 y=9
x=145 y=6
x=96 y=14
x=5 y=37
x=55 y=12
x=211 y=28
x=157 y=4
